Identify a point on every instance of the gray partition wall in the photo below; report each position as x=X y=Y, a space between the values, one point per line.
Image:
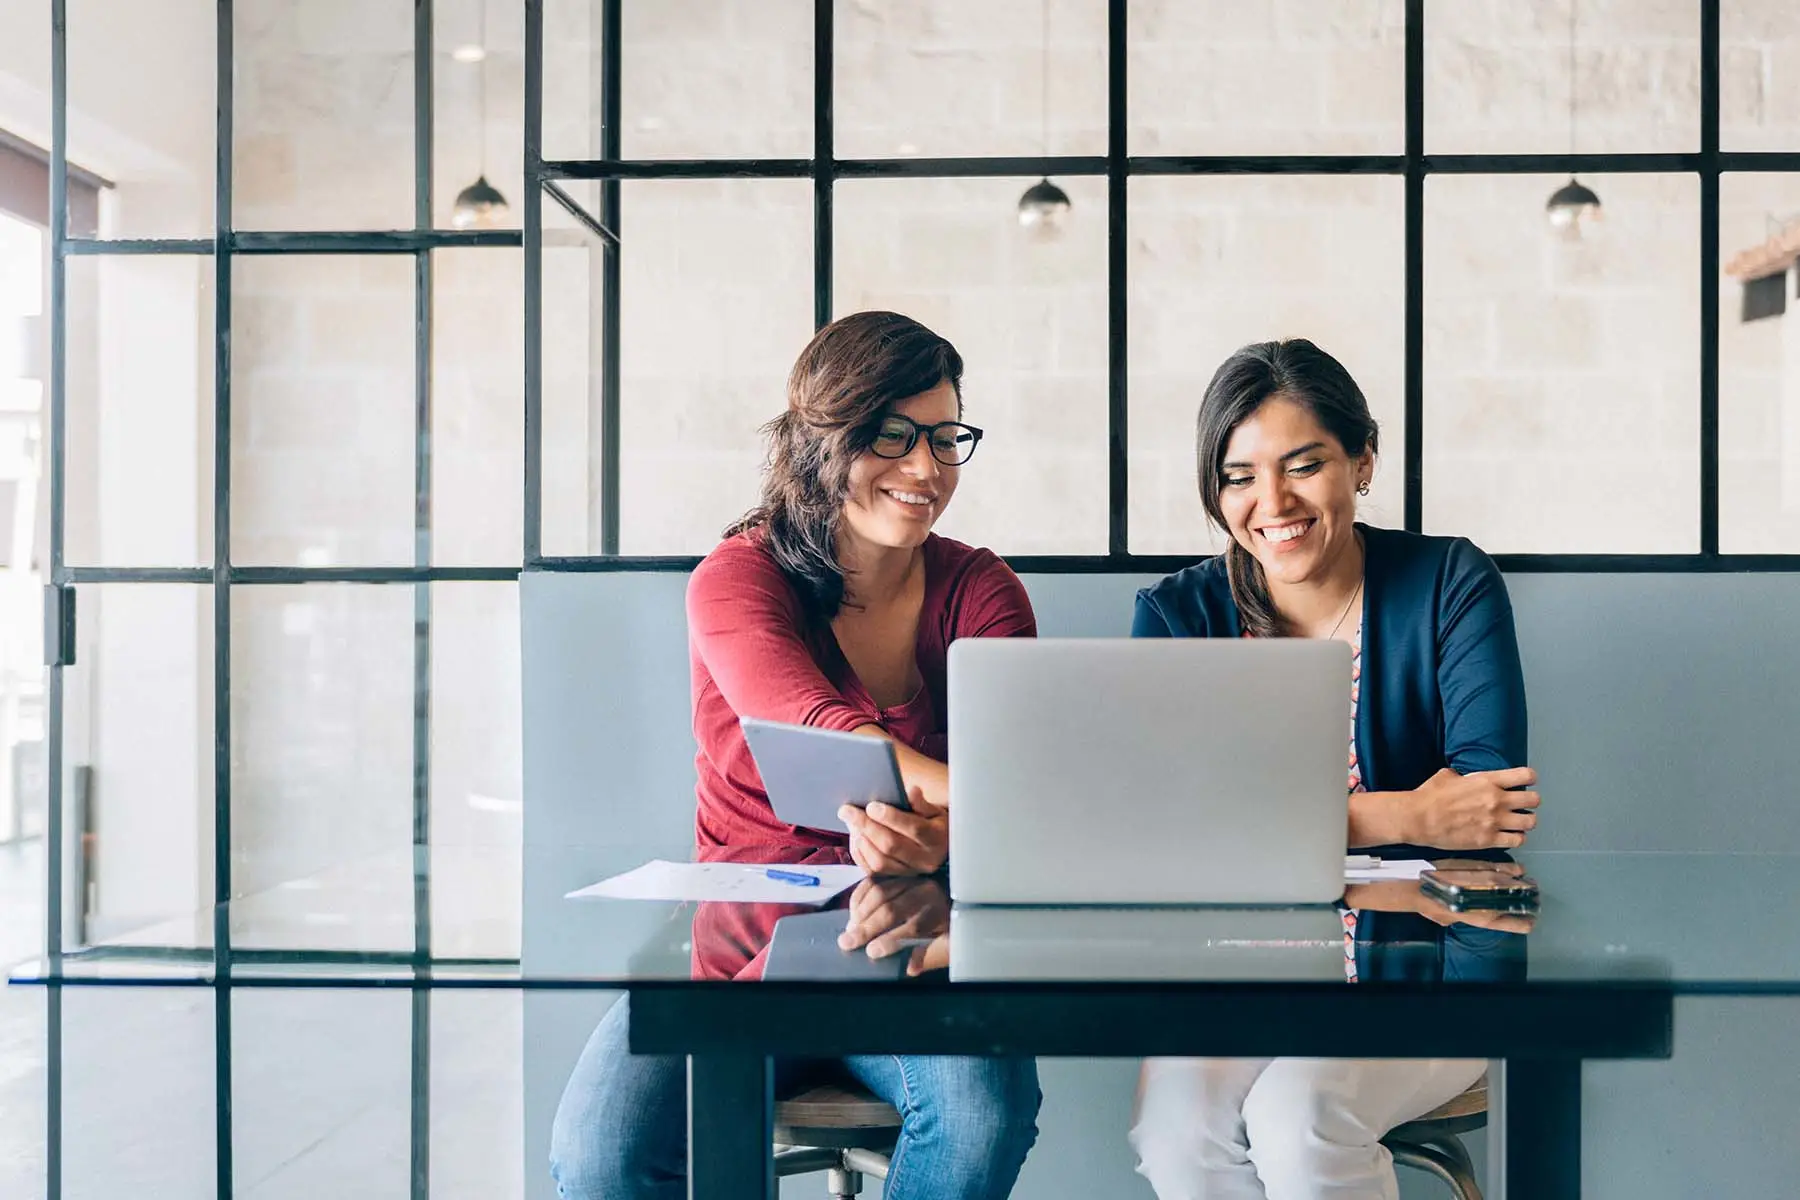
x=1663 y=709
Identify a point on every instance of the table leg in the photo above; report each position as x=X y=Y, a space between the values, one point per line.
x=1543 y=1129
x=731 y=1102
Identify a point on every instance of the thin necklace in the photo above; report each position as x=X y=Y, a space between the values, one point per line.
x=1346 y=612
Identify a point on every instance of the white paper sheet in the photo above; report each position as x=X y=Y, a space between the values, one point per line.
x=743 y=883
x=1393 y=868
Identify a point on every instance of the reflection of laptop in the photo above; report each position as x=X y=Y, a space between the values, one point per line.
x=1148 y=771
x=805 y=948
x=994 y=943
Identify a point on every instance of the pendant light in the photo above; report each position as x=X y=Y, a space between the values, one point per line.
x=1044 y=206
x=480 y=205
x=1573 y=206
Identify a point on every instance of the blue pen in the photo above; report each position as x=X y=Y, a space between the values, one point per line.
x=794 y=877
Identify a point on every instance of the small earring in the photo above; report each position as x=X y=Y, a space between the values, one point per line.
x=1362 y=489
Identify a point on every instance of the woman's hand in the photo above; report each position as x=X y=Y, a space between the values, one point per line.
x=1473 y=812
x=885 y=840
x=889 y=915
x=934 y=957
x=1498 y=920
x=1393 y=895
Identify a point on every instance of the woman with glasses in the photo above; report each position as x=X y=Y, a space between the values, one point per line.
x=832 y=604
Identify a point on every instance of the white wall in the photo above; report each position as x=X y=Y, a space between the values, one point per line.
x=140 y=103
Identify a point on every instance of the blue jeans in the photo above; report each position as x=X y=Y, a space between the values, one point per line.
x=621 y=1129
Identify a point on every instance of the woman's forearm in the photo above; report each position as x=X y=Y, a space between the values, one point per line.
x=916 y=770
x=1380 y=818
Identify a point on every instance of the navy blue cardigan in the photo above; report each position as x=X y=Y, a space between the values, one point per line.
x=1441 y=683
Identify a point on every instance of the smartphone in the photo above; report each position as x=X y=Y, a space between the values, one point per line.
x=1479 y=887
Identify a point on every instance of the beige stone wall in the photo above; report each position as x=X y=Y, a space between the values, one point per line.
x=1030 y=321
x=717 y=79
x=1760 y=87
x=1220 y=262
x=1498 y=76
x=1271 y=77
x=722 y=276
x=941 y=78
x=1562 y=378
x=323 y=128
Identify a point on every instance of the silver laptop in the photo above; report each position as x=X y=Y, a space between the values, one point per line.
x=1148 y=771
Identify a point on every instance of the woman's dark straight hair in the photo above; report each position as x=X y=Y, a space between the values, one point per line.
x=850 y=375
x=1296 y=370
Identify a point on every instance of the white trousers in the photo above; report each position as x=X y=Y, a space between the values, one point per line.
x=1282 y=1128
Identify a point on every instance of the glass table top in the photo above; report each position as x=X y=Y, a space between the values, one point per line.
x=1698 y=923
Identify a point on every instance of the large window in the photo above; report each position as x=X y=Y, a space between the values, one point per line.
x=282 y=443
x=1372 y=175
x=285 y=444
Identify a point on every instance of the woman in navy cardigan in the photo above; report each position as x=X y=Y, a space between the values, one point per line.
x=1436 y=746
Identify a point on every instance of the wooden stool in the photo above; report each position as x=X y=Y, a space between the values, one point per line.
x=838 y=1127
x=1431 y=1143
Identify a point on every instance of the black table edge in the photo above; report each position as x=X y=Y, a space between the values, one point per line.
x=1543 y=1021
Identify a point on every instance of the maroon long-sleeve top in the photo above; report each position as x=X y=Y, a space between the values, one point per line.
x=754 y=654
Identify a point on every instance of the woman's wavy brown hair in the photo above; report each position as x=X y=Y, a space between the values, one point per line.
x=852 y=372
x=1256 y=373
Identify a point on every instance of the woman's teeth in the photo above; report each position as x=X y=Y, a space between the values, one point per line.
x=1286 y=533
x=914 y=498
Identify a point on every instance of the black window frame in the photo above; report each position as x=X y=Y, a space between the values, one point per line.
x=66 y=183
x=545 y=176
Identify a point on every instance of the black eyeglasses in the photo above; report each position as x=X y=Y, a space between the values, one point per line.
x=952 y=443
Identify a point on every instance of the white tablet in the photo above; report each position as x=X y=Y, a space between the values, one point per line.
x=809 y=773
